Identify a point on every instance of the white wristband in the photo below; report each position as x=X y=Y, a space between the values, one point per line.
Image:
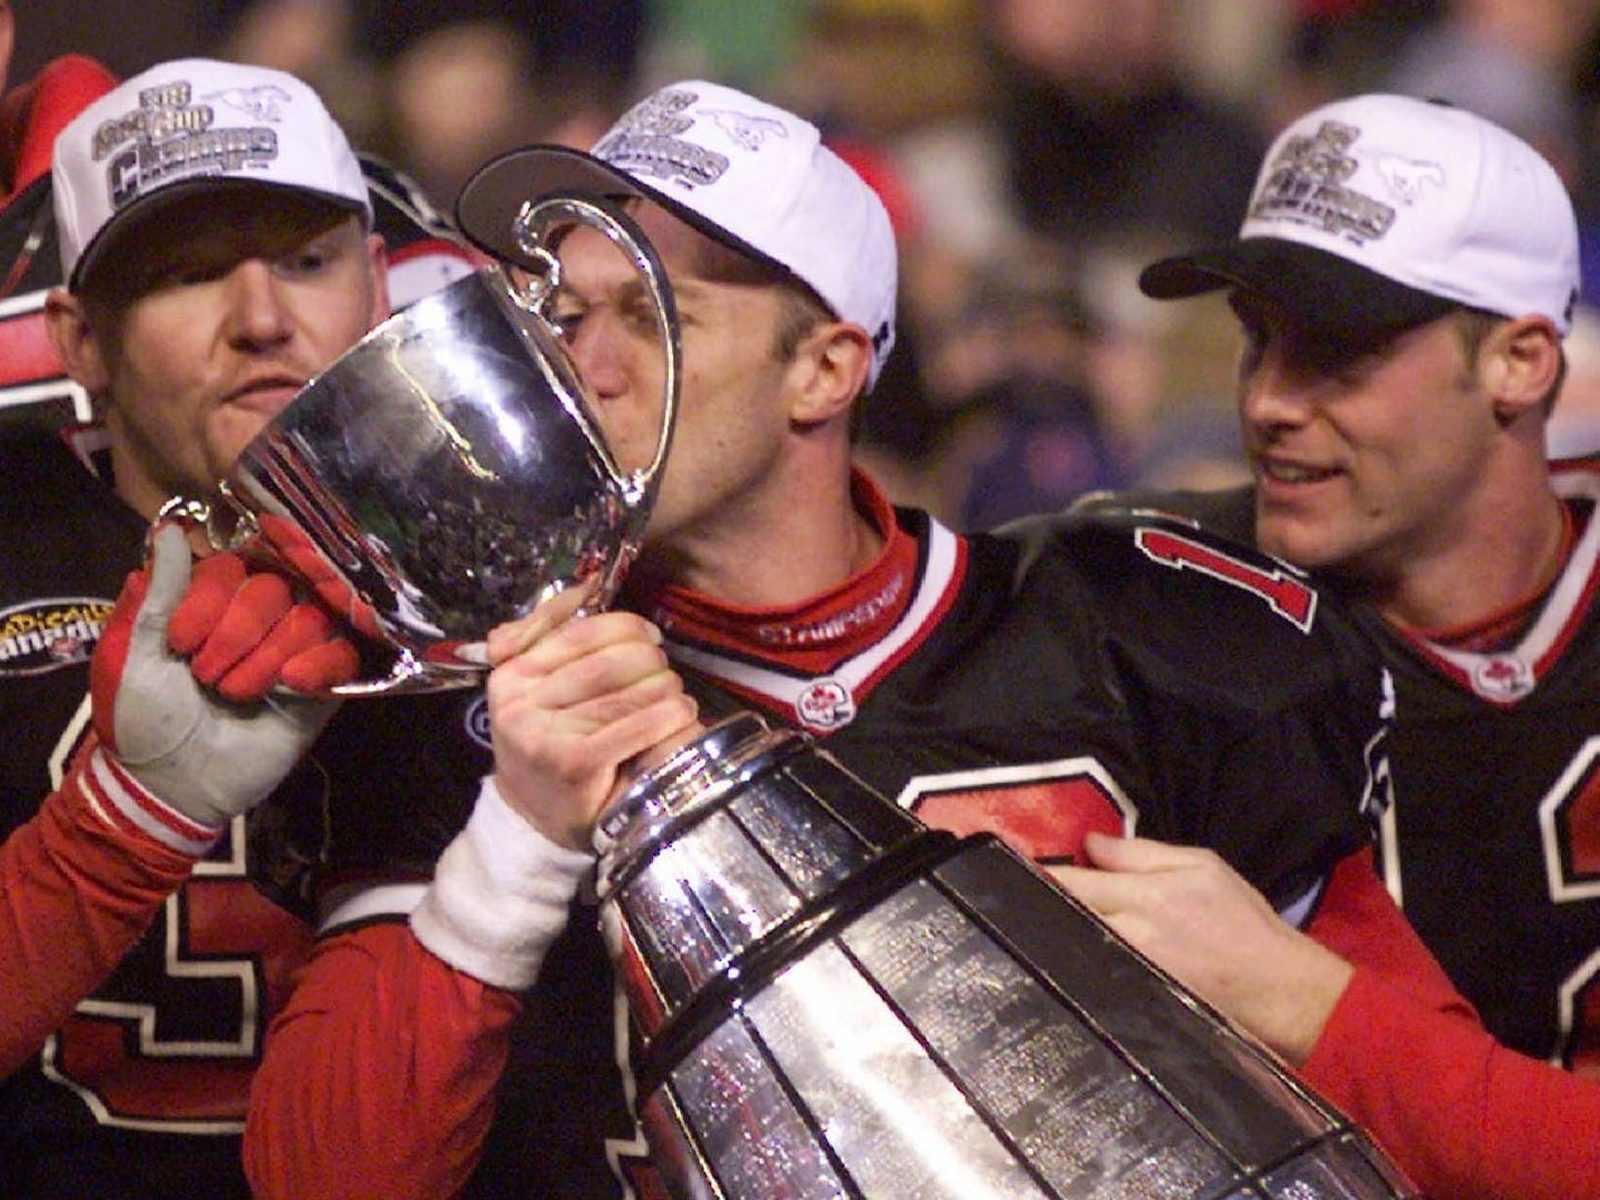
x=499 y=896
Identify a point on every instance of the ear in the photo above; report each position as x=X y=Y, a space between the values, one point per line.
x=378 y=264
x=834 y=360
x=77 y=344
x=1519 y=362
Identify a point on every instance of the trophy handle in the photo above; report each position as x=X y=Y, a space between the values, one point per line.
x=532 y=227
x=227 y=529
x=407 y=674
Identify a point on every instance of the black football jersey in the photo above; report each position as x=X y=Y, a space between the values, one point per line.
x=1492 y=842
x=1492 y=846
x=151 y=1071
x=1144 y=677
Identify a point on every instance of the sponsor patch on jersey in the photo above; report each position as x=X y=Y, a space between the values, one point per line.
x=49 y=634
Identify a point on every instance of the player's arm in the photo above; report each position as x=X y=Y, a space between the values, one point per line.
x=1405 y=1054
x=1364 y=1011
x=167 y=768
x=1477 y=1121
x=79 y=883
x=379 y=1077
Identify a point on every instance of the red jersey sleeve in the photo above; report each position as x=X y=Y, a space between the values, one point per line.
x=1405 y=1055
x=380 y=1074
x=79 y=883
x=1358 y=920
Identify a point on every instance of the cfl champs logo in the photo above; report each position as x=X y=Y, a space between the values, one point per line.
x=47 y=635
x=172 y=135
x=654 y=138
x=647 y=141
x=1307 y=185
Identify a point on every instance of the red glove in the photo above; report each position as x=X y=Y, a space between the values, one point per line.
x=203 y=755
x=244 y=632
x=292 y=545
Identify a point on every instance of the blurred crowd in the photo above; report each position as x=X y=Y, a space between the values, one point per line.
x=1033 y=153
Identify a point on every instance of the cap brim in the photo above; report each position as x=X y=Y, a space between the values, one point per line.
x=140 y=213
x=490 y=201
x=1323 y=289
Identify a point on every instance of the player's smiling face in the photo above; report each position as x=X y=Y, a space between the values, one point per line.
x=1366 y=455
x=219 y=314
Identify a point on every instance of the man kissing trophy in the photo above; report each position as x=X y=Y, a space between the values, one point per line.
x=832 y=999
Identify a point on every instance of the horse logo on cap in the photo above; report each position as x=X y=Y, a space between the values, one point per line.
x=1406 y=177
x=747 y=131
x=263 y=103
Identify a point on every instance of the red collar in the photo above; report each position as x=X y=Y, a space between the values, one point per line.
x=815 y=634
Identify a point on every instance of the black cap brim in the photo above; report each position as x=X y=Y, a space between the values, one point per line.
x=1322 y=289
x=490 y=201
x=128 y=225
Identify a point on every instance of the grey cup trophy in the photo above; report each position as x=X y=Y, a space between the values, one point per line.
x=446 y=473
x=832 y=1000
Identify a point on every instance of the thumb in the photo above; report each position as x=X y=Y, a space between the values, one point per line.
x=170 y=567
x=131 y=665
x=1111 y=853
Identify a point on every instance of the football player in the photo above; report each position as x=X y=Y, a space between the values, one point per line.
x=191 y=312
x=1404 y=279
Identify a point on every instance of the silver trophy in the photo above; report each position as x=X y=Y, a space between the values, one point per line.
x=447 y=473
x=832 y=1000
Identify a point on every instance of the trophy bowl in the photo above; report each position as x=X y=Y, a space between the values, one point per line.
x=446 y=474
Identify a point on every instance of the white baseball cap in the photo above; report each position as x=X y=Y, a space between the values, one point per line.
x=185 y=126
x=1383 y=211
x=744 y=172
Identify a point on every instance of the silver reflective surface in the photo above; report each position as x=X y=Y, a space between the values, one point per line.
x=895 y=1119
x=448 y=469
x=832 y=1001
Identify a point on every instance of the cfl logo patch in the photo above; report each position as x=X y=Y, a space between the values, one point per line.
x=825 y=704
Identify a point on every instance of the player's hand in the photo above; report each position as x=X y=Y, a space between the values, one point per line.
x=296 y=550
x=209 y=757
x=245 y=632
x=571 y=704
x=1195 y=917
